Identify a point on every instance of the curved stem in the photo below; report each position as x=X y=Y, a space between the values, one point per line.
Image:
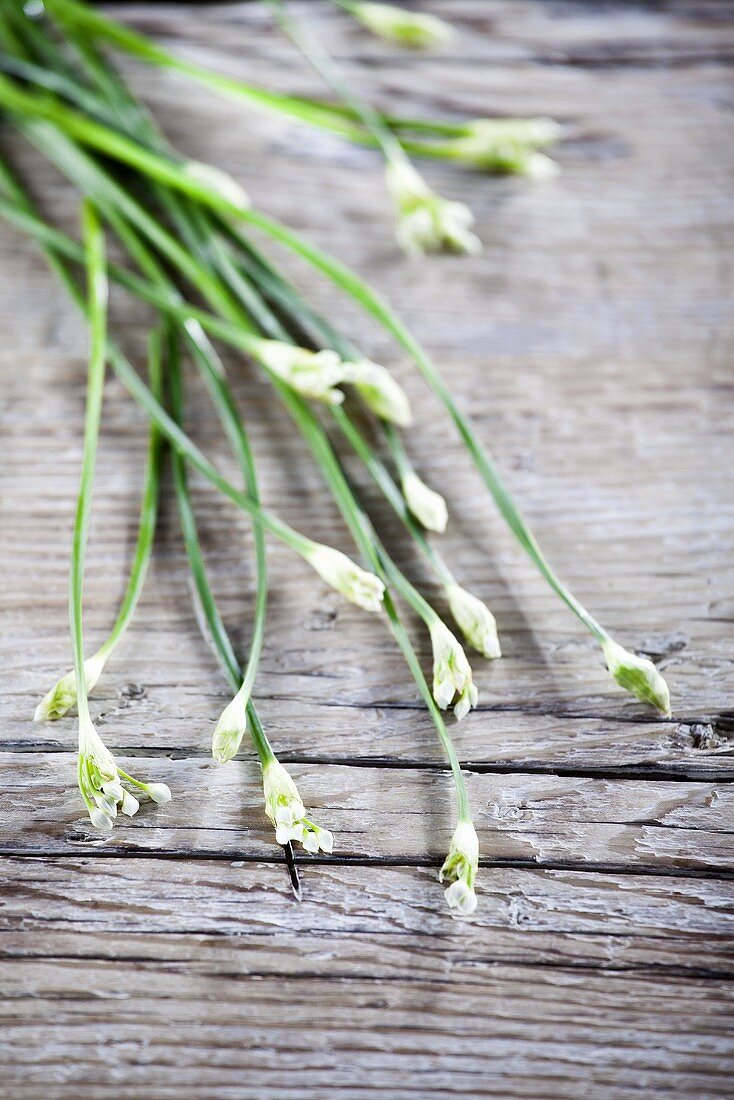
x=217 y=631
x=96 y=307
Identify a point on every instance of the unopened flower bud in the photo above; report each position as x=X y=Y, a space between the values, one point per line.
x=230 y=729
x=475 y=619
x=637 y=675
x=218 y=181
x=416 y=30
x=62 y=697
x=428 y=506
x=359 y=586
x=379 y=391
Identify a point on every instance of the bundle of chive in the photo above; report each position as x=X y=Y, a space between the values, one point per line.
x=189 y=236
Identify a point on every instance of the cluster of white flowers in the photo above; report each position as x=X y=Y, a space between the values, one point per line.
x=360 y=587
x=314 y=374
x=637 y=675
x=100 y=782
x=427 y=222
x=318 y=374
x=508 y=145
x=286 y=810
x=460 y=868
x=417 y=30
x=62 y=697
x=428 y=506
x=475 y=619
x=230 y=729
x=452 y=675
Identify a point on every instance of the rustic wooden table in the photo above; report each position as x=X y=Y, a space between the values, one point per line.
x=592 y=343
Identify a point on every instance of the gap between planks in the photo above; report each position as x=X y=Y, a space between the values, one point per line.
x=631 y=773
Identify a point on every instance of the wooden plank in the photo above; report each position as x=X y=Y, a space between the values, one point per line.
x=548 y=345
x=591 y=342
x=382 y=812
x=379 y=920
x=145 y=1027
x=163 y=964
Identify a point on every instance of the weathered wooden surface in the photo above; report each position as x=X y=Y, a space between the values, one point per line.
x=592 y=342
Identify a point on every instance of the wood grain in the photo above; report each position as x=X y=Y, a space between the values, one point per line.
x=592 y=344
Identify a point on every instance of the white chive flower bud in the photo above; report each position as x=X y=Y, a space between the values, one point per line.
x=637 y=675
x=427 y=222
x=416 y=30
x=508 y=145
x=160 y=793
x=100 y=782
x=230 y=729
x=476 y=621
x=428 y=506
x=460 y=869
x=452 y=675
x=218 y=181
x=284 y=807
x=359 y=586
x=314 y=374
x=62 y=697
x=379 y=391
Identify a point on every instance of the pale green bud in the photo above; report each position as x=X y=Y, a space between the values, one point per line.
x=230 y=729
x=379 y=391
x=160 y=793
x=637 y=675
x=359 y=586
x=218 y=181
x=62 y=697
x=428 y=506
x=475 y=619
x=508 y=145
x=416 y=30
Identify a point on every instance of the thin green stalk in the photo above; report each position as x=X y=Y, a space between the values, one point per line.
x=306 y=110
x=91 y=178
x=97 y=314
x=214 y=376
x=320 y=61
x=217 y=631
x=148 y=512
x=233 y=335
x=180 y=441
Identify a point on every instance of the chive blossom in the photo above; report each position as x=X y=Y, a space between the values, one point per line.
x=358 y=585
x=475 y=619
x=230 y=729
x=428 y=506
x=452 y=675
x=312 y=374
x=416 y=30
x=286 y=810
x=460 y=869
x=427 y=222
x=379 y=391
x=637 y=675
x=62 y=697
